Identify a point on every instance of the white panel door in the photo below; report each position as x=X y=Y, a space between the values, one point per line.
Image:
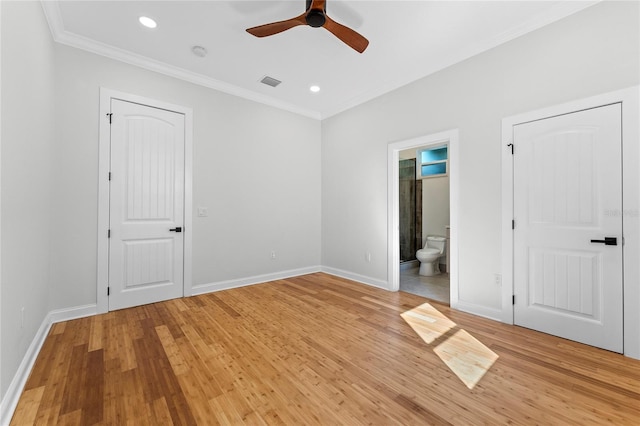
x=567 y=200
x=146 y=205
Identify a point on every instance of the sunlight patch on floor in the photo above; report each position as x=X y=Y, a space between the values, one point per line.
x=428 y=322
x=465 y=355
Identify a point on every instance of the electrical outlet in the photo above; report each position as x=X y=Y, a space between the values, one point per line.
x=273 y=255
x=367 y=257
x=497 y=279
x=203 y=212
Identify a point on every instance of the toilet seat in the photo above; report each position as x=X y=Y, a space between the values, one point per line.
x=429 y=250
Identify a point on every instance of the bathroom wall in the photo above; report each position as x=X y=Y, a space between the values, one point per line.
x=435 y=206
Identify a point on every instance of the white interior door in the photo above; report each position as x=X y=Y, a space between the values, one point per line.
x=568 y=198
x=146 y=205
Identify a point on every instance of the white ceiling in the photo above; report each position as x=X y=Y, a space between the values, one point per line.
x=408 y=40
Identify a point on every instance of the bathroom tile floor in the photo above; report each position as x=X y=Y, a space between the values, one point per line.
x=435 y=288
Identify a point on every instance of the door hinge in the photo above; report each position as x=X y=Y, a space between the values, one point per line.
x=108 y=233
x=513 y=224
x=513 y=299
x=109 y=176
x=108 y=291
x=110 y=115
x=510 y=145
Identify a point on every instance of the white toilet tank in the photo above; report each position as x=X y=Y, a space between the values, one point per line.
x=436 y=241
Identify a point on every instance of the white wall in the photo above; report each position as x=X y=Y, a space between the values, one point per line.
x=435 y=206
x=592 y=52
x=27 y=145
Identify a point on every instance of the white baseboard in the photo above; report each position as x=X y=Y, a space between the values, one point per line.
x=68 y=314
x=12 y=396
x=479 y=310
x=356 y=277
x=258 y=279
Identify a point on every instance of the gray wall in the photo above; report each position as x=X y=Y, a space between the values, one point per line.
x=27 y=146
x=591 y=52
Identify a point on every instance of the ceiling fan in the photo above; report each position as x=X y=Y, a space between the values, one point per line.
x=315 y=16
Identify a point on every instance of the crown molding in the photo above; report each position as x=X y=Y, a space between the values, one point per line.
x=60 y=35
x=422 y=68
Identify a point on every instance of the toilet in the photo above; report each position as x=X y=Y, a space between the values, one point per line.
x=430 y=254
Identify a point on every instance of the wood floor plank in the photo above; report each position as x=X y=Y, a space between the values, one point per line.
x=71 y=418
x=317 y=349
x=96 y=340
x=57 y=328
x=160 y=412
x=27 y=408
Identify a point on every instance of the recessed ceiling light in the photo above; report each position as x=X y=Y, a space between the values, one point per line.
x=147 y=22
x=314 y=88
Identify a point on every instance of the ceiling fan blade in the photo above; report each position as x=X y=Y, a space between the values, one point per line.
x=277 y=27
x=347 y=35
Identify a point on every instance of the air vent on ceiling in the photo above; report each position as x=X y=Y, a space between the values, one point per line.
x=270 y=81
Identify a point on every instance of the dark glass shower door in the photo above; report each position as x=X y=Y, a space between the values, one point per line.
x=410 y=204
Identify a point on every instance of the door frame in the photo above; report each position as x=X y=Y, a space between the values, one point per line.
x=106 y=95
x=629 y=99
x=393 y=215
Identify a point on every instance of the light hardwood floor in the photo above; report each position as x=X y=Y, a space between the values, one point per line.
x=310 y=350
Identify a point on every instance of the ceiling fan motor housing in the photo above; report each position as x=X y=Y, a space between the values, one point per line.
x=315 y=18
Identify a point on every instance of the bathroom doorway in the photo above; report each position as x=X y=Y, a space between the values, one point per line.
x=435 y=180
x=424 y=212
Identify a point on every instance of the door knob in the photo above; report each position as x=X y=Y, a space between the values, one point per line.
x=176 y=229
x=608 y=241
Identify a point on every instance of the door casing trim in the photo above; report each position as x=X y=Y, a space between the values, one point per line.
x=106 y=95
x=451 y=137
x=629 y=98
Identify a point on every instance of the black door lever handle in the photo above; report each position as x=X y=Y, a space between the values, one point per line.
x=608 y=241
x=176 y=229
